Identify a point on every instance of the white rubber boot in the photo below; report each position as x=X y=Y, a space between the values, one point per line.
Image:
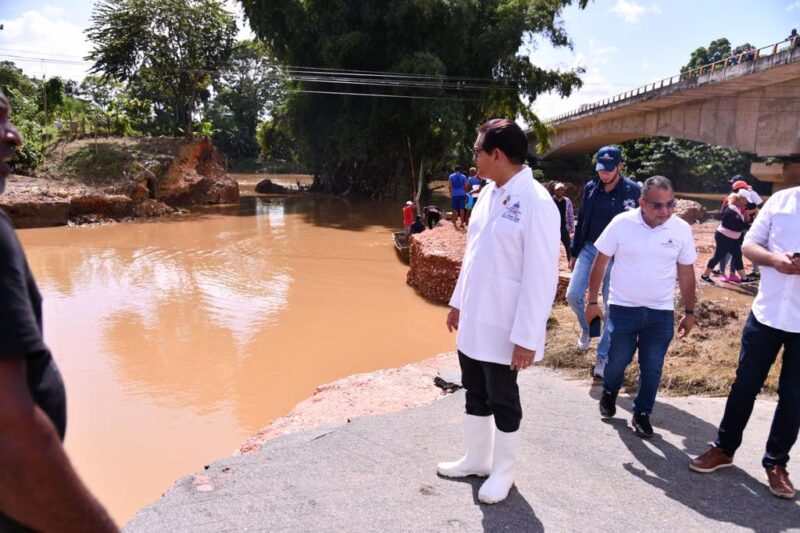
x=479 y=437
x=495 y=489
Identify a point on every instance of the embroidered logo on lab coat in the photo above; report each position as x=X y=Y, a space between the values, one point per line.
x=512 y=213
x=670 y=244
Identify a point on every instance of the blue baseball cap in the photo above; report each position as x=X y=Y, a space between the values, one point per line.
x=608 y=157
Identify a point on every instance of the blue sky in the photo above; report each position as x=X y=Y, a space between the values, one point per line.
x=622 y=44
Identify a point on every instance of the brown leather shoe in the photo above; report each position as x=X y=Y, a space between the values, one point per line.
x=712 y=460
x=779 y=483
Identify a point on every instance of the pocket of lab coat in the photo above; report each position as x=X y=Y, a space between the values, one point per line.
x=502 y=296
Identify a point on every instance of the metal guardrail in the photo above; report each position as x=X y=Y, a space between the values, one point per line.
x=717 y=66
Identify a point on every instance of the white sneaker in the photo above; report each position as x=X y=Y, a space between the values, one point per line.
x=599 y=368
x=584 y=341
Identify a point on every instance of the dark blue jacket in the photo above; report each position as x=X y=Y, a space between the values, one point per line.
x=630 y=200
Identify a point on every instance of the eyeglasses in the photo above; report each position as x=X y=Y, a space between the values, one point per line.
x=661 y=205
x=475 y=152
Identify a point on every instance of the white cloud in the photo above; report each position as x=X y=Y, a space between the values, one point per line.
x=794 y=5
x=631 y=12
x=44 y=43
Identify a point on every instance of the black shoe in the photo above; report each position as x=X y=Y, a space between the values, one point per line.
x=708 y=280
x=608 y=404
x=716 y=272
x=749 y=279
x=641 y=425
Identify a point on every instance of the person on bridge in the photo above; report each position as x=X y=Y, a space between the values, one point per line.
x=38 y=486
x=501 y=303
x=474 y=184
x=651 y=247
x=774 y=243
x=457 y=183
x=604 y=197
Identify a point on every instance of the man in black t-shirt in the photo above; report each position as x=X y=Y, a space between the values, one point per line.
x=38 y=486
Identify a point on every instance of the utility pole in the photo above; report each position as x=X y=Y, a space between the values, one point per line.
x=44 y=88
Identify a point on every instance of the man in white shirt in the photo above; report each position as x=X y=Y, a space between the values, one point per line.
x=774 y=323
x=501 y=303
x=650 y=246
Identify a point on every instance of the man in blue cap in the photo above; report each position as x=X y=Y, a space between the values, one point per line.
x=604 y=197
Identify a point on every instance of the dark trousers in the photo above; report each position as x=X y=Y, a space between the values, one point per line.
x=760 y=347
x=725 y=246
x=491 y=390
x=565 y=240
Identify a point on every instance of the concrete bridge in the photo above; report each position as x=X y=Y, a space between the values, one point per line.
x=749 y=102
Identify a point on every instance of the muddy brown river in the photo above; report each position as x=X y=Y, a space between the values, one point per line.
x=178 y=339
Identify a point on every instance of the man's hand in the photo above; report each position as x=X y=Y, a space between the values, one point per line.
x=452 y=319
x=522 y=358
x=572 y=263
x=686 y=325
x=786 y=264
x=593 y=311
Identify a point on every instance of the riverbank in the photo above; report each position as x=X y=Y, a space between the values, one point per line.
x=575 y=472
x=704 y=363
x=115 y=179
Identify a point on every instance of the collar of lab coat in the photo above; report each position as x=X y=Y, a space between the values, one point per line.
x=513 y=187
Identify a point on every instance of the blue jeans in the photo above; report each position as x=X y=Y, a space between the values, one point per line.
x=760 y=347
x=579 y=284
x=651 y=331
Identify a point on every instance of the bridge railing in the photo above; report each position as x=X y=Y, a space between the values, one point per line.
x=717 y=66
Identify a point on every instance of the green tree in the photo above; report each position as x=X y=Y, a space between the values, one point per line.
x=455 y=64
x=172 y=48
x=244 y=90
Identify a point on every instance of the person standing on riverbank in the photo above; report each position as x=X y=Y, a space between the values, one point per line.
x=457 y=184
x=564 y=205
x=38 y=486
x=501 y=303
x=650 y=246
x=604 y=197
x=774 y=243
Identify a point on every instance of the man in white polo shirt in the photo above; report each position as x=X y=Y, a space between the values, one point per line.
x=774 y=323
x=650 y=246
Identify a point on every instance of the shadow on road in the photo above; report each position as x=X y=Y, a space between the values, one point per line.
x=512 y=514
x=727 y=496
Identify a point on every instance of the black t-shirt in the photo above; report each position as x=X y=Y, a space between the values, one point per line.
x=21 y=328
x=562 y=210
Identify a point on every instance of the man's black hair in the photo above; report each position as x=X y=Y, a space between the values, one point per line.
x=507 y=136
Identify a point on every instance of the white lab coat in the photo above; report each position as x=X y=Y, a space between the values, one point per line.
x=509 y=274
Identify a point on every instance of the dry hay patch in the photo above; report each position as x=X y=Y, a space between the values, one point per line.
x=704 y=363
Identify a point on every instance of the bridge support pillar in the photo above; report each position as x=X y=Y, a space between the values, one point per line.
x=782 y=176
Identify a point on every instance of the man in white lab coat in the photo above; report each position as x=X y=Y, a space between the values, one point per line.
x=501 y=303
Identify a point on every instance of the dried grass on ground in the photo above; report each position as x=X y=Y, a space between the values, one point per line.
x=704 y=363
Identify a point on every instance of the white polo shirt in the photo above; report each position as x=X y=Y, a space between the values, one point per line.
x=777 y=228
x=646 y=259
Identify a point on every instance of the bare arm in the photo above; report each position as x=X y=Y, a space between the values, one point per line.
x=686 y=283
x=38 y=486
x=596 y=275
